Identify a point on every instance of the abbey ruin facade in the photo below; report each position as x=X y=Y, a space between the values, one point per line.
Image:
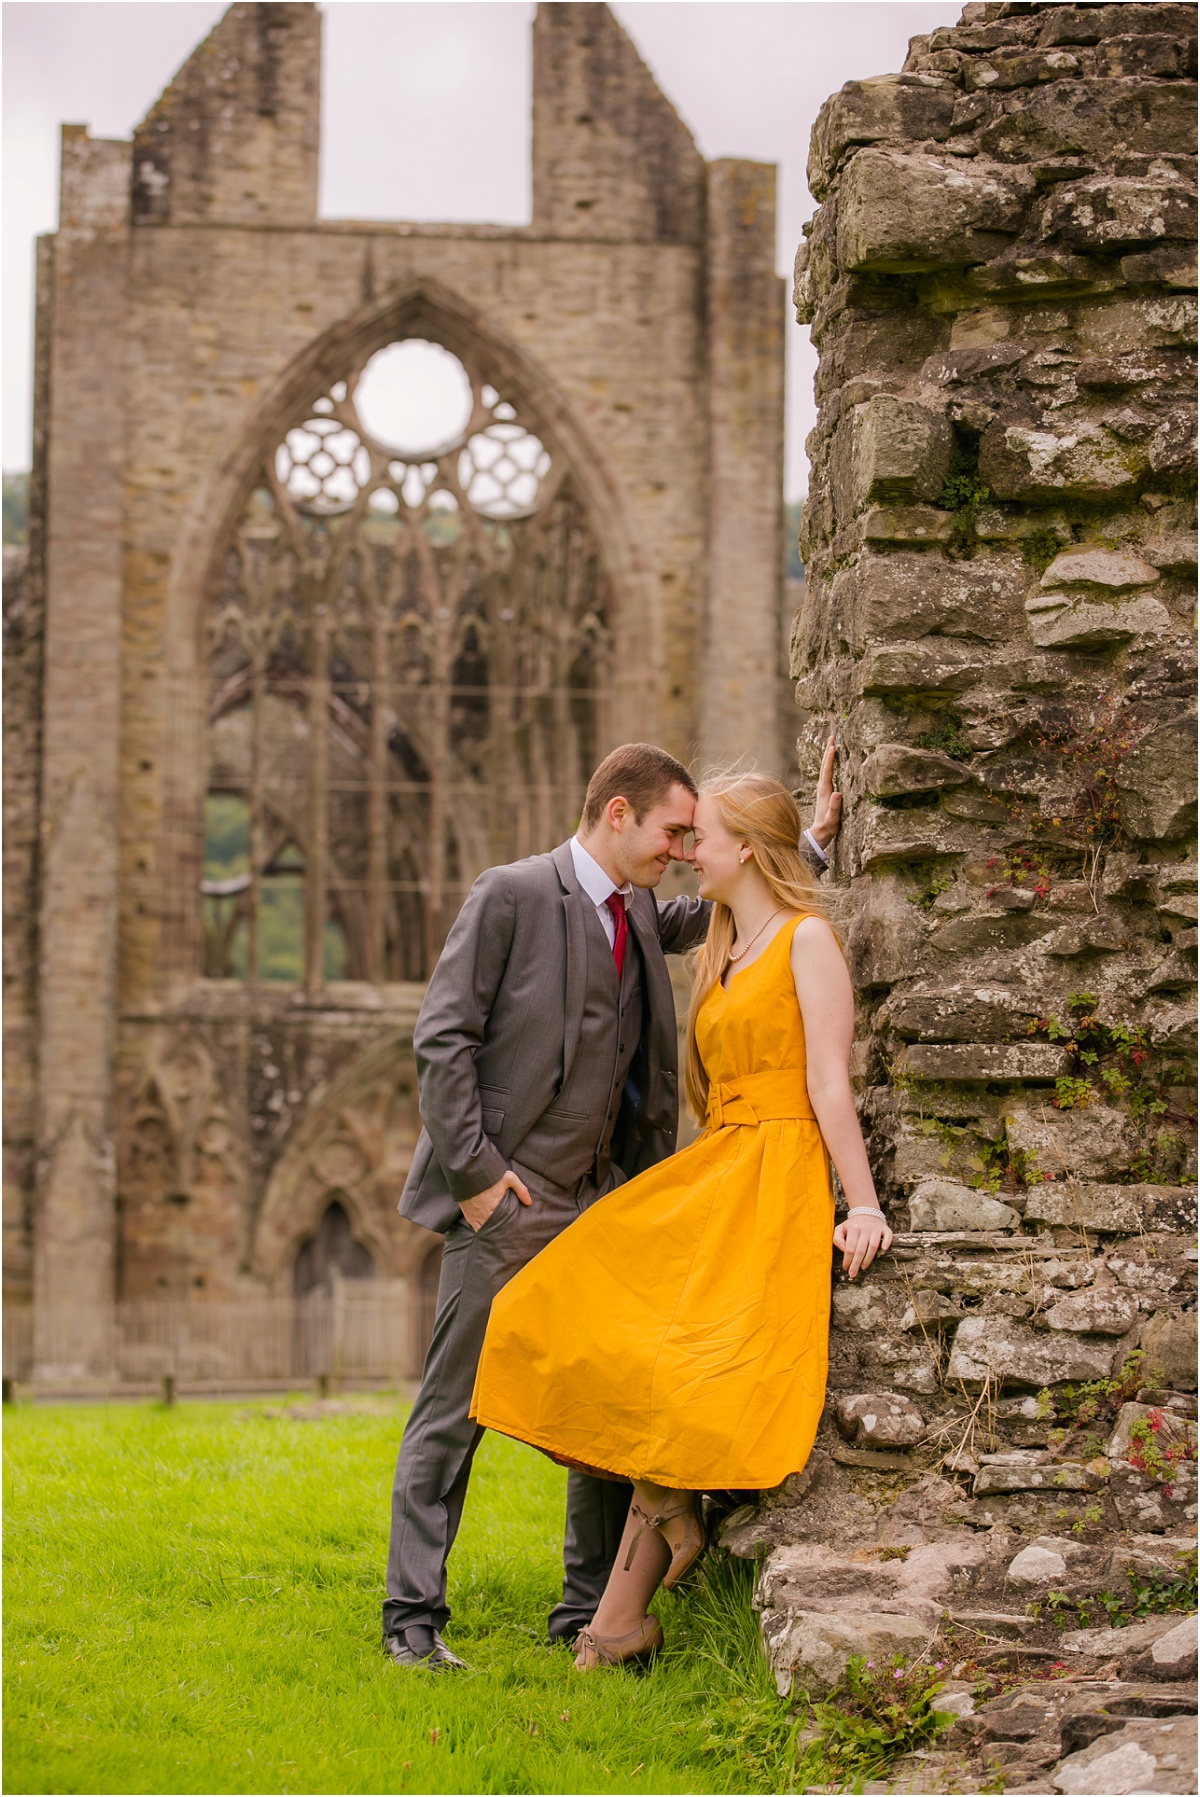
x=351 y=671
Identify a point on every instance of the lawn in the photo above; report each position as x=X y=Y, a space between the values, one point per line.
x=192 y=1604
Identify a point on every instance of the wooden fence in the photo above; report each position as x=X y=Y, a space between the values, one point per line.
x=358 y=1330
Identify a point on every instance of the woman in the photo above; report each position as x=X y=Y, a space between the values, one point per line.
x=677 y=1334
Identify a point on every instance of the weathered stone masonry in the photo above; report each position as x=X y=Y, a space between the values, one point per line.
x=1000 y=558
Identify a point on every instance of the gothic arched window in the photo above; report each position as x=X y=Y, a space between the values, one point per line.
x=407 y=646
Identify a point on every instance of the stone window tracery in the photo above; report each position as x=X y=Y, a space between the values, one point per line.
x=409 y=644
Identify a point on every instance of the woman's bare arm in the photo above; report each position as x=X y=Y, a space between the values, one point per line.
x=827 y=1007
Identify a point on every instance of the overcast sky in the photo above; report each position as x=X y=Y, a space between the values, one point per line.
x=426 y=113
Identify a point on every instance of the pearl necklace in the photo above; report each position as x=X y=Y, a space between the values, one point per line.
x=753 y=939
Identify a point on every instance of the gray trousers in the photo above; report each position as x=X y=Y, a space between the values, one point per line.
x=440 y=1441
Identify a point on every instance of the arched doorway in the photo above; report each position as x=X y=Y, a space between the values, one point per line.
x=333 y=1248
x=410 y=644
x=331 y=1253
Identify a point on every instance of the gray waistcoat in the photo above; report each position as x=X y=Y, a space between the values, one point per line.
x=574 y=1133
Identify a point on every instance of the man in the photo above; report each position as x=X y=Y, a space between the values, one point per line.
x=546 y=1055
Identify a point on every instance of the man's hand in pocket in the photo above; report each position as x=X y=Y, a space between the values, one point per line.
x=477 y=1210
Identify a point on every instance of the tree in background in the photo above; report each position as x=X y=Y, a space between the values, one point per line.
x=16 y=509
x=793 y=566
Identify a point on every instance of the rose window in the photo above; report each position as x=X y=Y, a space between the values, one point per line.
x=441 y=447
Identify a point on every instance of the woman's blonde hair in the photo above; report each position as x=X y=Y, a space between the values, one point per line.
x=764 y=815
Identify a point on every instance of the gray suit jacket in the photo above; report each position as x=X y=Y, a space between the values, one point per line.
x=499 y=1028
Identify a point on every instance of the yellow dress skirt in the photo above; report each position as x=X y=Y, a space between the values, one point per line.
x=679 y=1330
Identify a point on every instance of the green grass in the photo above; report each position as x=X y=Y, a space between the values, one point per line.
x=192 y=1604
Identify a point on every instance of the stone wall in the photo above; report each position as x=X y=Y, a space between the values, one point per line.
x=1000 y=550
x=76 y=510
x=1000 y=559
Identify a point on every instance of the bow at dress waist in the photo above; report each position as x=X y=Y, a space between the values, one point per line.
x=759 y=1098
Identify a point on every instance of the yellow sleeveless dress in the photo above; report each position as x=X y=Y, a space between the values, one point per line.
x=679 y=1330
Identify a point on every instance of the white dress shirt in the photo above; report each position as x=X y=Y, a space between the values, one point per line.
x=598 y=886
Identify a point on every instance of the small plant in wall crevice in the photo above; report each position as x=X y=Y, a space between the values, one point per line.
x=1024 y=870
x=1000 y=1166
x=881 y=1710
x=1155 y=1451
x=1086 y=749
x=1159 y=1592
x=964 y=493
x=1039 y=550
x=1085 y=1415
x=1115 y=1064
x=947 y=737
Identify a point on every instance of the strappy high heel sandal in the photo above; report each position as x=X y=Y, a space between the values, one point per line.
x=641 y=1643
x=686 y=1541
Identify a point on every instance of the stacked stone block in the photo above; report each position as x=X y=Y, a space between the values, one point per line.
x=1000 y=559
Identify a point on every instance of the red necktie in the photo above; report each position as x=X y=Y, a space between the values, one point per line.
x=616 y=904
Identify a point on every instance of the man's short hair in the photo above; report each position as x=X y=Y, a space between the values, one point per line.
x=641 y=773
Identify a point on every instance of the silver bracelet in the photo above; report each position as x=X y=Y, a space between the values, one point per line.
x=864 y=1210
